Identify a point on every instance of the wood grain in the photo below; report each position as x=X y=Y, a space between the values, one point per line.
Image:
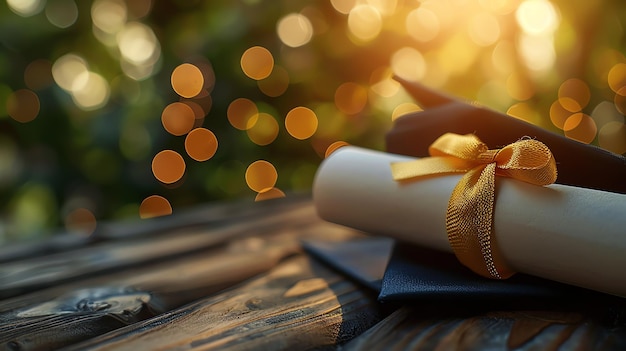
x=298 y=305
x=67 y=314
x=214 y=214
x=18 y=277
x=412 y=328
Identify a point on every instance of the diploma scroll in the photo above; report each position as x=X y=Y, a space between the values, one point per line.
x=563 y=233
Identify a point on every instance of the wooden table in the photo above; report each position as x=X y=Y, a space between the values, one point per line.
x=233 y=276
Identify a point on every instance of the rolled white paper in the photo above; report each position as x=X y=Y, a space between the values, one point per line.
x=563 y=233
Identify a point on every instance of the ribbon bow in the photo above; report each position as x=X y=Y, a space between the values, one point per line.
x=469 y=217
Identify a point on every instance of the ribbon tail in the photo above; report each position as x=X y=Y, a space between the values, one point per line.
x=469 y=223
x=428 y=166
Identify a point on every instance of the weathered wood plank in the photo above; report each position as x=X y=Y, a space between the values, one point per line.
x=411 y=328
x=215 y=214
x=298 y=305
x=18 y=277
x=76 y=311
x=67 y=314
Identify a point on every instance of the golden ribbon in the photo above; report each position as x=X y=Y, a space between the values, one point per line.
x=469 y=218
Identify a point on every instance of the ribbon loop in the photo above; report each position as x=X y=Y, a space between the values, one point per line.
x=469 y=217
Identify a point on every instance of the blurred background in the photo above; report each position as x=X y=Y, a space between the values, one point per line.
x=113 y=109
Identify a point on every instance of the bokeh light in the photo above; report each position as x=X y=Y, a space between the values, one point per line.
x=606 y=112
x=334 y=147
x=404 y=109
x=26 y=8
x=38 y=74
x=350 y=98
x=262 y=129
x=23 y=105
x=422 y=24
x=558 y=114
x=555 y=64
x=364 y=22
x=187 y=80
x=581 y=127
x=276 y=83
x=537 y=17
x=67 y=68
x=617 y=78
x=301 y=122
x=257 y=62
x=178 y=118
x=109 y=16
x=261 y=175
x=538 y=52
x=154 y=206
x=138 y=44
x=519 y=87
x=294 y=30
x=612 y=136
x=198 y=111
x=240 y=112
x=201 y=144
x=525 y=112
x=62 y=13
x=484 y=29
x=620 y=100
x=343 y=6
x=382 y=83
x=268 y=194
x=90 y=91
x=574 y=95
x=168 y=166
x=409 y=64
x=81 y=221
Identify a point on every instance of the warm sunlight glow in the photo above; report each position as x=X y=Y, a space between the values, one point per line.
x=537 y=17
x=422 y=24
x=404 y=109
x=408 y=63
x=343 y=6
x=365 y=23
x=484 y=29
x=294 y=30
